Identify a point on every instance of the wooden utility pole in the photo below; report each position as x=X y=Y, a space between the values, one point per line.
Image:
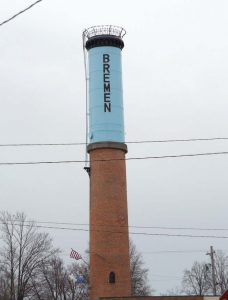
x=211 y=254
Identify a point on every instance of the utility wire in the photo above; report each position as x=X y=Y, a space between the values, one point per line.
x=178 y=140
x=163 y=252
x=124 y=232
x=20 y=12
x=175 y=251
x=128 y=142
x=113 y=159
x=132 y=226
x=165 y=276
x=42 y=144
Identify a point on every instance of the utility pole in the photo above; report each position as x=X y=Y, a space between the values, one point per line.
x=211 y=254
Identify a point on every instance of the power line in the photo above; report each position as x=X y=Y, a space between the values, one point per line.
x=164 y=252
x=114 y=159
x=178 y=140
x=133 y=226
x=175 y=251
x=181 y=228
x=165 y=276
x=41 y=144
x=122 y=232
x=128 y=142
x=20 y=12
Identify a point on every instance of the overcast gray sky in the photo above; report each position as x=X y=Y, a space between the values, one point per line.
x=175 y=86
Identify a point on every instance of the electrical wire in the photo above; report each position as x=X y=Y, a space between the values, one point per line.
x=178 y=140
x=133 y=226
x=124 y=232
x=42 y=144
x=114 y=159
x=165 y=276
x=128 y=142
x=163 y=252
x=20 y=12
x=175 y=251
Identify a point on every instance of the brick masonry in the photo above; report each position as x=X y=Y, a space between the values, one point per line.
x=109 y=241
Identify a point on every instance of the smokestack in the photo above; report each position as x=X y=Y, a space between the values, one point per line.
x=109 y=240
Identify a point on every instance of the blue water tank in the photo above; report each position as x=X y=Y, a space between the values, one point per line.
x=106 y=120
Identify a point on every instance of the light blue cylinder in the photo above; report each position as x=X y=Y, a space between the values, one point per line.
x=106 y=120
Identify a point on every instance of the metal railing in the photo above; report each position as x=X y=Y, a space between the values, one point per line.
x=104 y=30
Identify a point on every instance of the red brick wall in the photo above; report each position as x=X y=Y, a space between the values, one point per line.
x=109 y=243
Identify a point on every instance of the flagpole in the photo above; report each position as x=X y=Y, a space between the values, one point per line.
x=84 y=261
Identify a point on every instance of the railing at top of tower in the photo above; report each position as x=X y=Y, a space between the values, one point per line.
x=104 y=30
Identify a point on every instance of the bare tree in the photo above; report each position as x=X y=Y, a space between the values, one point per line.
x=24 y=250
x=221 y=272
x=79 y=273
x=176 y=291
x=199 y=281
x=196 y=280
x=31 y=268
x=3 y=285
x=55 y=281
x=139 y=274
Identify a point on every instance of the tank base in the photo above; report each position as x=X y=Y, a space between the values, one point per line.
x=107 y=145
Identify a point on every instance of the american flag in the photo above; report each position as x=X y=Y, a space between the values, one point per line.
x=74 y=254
